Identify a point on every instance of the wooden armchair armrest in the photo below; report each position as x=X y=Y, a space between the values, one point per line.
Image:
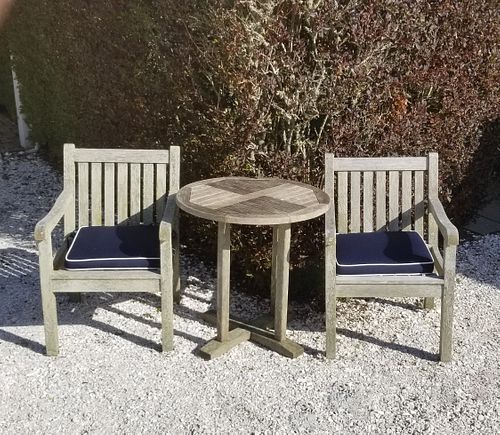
x=446 y=228
x=44 y=227
x=168 y=222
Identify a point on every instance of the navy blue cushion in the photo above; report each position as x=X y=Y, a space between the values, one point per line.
x=383 y=253
x=117 y=247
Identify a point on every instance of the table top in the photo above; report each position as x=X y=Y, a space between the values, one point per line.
x=253 y=201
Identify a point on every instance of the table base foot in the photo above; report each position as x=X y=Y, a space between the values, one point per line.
x=259 y=334
x=216 y=348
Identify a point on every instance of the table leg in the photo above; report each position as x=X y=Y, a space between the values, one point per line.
x=281 y=276
x=225 y=339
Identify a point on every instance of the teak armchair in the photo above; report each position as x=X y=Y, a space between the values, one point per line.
x=387 y=235
x=113 y=198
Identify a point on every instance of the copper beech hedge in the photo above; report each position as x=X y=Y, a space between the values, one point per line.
x=265 y=88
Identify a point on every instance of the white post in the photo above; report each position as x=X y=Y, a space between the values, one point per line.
x=22 y=126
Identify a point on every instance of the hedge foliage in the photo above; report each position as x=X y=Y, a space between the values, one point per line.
x=265 y=88
x=7 y=102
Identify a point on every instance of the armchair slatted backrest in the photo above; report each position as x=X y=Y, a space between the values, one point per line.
x=118 y=187
x=382 y=194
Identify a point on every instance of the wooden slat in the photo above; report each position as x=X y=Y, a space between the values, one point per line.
x=69 y=186
x=419 y=202
x=109 y=194
x=122 y=192
x=433 y=193
x=380 y=199
x=367 y=201
x=135 y=193
x=355 y=207
x=147 y=193
x=342 y=202
x=406 y=196
x=381 y=164
x=83 y=194
x=161 y=190
x=96 y=194
x=121 y=156
x=393 y=201
x=389 y=280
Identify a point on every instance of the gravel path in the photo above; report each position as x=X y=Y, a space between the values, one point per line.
x=110 y=377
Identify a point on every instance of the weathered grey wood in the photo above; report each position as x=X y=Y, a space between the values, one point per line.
x=252 y=201
x=223 y=277
x=419 y=203
x=342 y=189
x=174 y=169
x=148 y=193
x=282 y=275
x=259 y=335
x=161 y=190
x=69 y=186
x=98 y=155
x=104 y=190
x=122 y=192
x=83 y=194
x=393 y=201
x=215 y=348
x=330 y=260
x=412 y=201
x=167 y=296
x=355 y=205
x=135 y=193
x=49 y=307
x=109 y=194
x=367 y=201
x=406 y=201
x=380 y=164
x=447 y=301
x=380 y=202
x=96 y=194
x=274 y=269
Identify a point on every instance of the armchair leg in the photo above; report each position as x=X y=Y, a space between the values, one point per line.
x=447 y=299
x=331 y=324
x=429 y=303
x=167 y=296
x=49 y=306
x=176 y=274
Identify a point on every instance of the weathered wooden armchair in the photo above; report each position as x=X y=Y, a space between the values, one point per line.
x=126 y=237
x=387 y=235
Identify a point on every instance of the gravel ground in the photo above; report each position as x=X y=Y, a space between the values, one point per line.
x=110 y=377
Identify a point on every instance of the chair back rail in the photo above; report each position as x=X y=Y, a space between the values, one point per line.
x=386 y=193
x=114 y=186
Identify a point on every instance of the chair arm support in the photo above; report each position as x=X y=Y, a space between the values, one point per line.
x=44 y=227
x=168 y=220
x=447 y=229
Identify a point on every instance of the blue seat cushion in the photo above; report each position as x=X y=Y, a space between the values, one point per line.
x=383 y=253
x=116 y=247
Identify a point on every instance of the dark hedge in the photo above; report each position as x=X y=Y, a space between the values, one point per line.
x=7 y=102
x=265 y=88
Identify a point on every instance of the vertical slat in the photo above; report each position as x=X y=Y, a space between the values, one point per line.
x=69 y=185
x=109 y=194
x=355 y=202
x=96 y=193
x=174 y=169
x=342 y=202
x=406 y=201
x=122 y=192
x=393 y=200
x=83 y=194
x=380 y=207
x=135 y=193
x=148 y=192
x=419 y=202
x=161 y=190
x=367 y=202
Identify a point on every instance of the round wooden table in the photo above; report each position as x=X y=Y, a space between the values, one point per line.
x=253 y=201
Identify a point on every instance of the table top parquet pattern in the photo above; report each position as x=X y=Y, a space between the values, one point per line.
x=252 y=201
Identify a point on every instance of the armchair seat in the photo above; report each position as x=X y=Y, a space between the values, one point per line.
x=383 y=253
x=114 y=247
